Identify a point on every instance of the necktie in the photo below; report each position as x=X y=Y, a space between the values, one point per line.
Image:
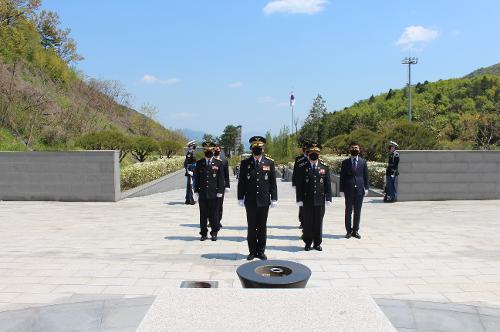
x=354 y=164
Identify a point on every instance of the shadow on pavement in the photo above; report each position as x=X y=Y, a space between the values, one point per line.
x=226 y=257
x=182 y=238
x=176 y=203
x=286 y=248
x=284 y=237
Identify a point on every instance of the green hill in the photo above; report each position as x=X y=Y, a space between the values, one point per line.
x=44 y=102
x=449 y=114
x=491 y=70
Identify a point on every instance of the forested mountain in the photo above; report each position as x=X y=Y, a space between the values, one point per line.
x=491 y=70
x=459 y=113
x=44 y=102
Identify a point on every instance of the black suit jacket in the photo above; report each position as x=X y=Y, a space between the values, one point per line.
x=209 y=178
x=354 y=181
x=313 y=187
x=300 y=161
x=257 y=185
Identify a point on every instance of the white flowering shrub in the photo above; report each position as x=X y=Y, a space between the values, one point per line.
x=140 y=173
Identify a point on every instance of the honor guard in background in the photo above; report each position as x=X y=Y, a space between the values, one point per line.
x=189 y=165
x=391 y=173
x=227 y=186
x=300 y=161
x=257 y=190
x=209 y=188
x=313 y=190
x=353 y=186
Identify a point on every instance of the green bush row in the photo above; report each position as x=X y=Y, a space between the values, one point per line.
x=140 y=173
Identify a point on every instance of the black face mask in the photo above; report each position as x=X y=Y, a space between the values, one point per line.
x=216 y=153
x=313 y=156
x=257 y=151
x=209 y=154
x=354 y=152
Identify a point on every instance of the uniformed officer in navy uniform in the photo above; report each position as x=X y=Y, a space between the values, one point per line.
x=300 y=161
x=257 y=190
x=391 y=173
x=209 y=188
x=313 y=191
x=189 y=165
x=227 y=185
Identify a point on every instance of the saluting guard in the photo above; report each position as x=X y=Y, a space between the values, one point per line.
x=313 y=192
x=257 y=190
x=189 y=165
x=209 y=188
x=392 y=173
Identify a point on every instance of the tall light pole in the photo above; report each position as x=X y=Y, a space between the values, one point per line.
x=409 y=61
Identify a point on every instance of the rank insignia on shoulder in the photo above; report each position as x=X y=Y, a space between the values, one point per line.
x=268 y=157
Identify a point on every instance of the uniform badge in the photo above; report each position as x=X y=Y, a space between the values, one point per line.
x=248 y=167
x=266 y=168
x=321 y=180
x=248 y=176
x=215 y=167
x=214 y=175
x=265 y=177
x=307 y=180
x=321 y=171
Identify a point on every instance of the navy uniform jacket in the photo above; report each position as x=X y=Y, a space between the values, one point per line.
x=313 y=187
x=392 y=165
x=300 y=161
x=257 y=184
x=190 y=159
x=209 y=178
x=352 y=182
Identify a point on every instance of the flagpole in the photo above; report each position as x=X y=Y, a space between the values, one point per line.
x=291 y=129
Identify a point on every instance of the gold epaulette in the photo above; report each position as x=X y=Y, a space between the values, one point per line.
x=268 y=157
x=322 y=162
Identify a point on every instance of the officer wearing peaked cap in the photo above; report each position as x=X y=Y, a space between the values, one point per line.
x=391 y=173
x=209 y=188
x=313 y=191
x=257 y=190
x=227 y=185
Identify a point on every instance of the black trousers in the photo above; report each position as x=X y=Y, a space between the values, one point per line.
x=221 y=207
x=209 y=213
x=189 y=190
x=257 y=227
x=353 y=202
x=301 y=217
x=312 y=224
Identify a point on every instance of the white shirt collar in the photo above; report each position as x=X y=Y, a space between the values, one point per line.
x=208 y=160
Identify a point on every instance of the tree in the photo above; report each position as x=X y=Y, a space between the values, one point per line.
x=208 y=138
x=229 y=140
x=13 y=10
x=170 y=148
x=338 y=144
x=106 y=140
x=142 y=147
x=310 y=131
x=145 y=121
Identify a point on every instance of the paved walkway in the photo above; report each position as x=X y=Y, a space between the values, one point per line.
x=54 y=252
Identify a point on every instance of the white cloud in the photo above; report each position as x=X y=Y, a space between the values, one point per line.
x=235 y=85
x=151 y=79
x=295 y=6
x=416 y=35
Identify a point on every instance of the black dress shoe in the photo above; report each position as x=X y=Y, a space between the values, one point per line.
x=348 y=235
x=203 y=238
x=318 y=248
x=262 y=256
x=250 y=257
x=356 y=235
x=307 y=248
x=214 y=236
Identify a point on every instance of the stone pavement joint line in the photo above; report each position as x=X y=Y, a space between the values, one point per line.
x=54 y=252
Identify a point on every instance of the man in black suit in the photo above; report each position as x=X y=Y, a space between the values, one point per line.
x=313 y=191
x=257 y=190
x=353 y=186
x=227 y=186
x=208 y=189
x=300 y=161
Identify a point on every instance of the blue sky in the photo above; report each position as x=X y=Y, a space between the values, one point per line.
x=206 y=64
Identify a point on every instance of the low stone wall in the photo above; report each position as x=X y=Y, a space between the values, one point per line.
x=173 y=181
x=448 y=175
x=92 y=176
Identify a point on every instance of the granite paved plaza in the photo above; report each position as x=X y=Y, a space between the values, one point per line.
x=58 y=253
